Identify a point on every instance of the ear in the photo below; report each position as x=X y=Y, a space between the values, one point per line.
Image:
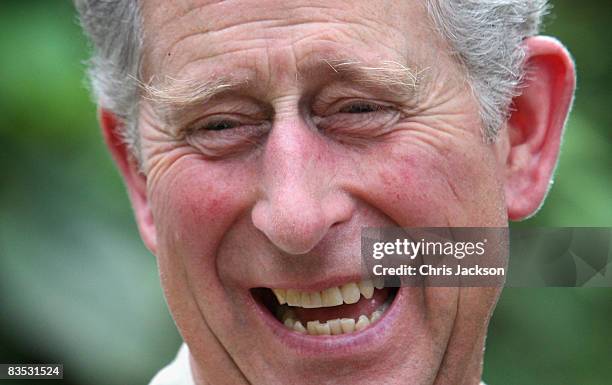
x=135 y=181
x=535 y=127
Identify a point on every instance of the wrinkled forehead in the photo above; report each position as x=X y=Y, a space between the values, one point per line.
x=241 y=34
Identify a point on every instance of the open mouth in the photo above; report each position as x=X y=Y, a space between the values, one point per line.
x=336 y=310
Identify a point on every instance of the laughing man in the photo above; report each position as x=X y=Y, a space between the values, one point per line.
x=257 y=138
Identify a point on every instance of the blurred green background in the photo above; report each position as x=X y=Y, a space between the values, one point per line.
x=78 y=287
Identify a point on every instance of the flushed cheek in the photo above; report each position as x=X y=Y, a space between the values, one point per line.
x=193 y=207
x=407 y=190
x=418 y=187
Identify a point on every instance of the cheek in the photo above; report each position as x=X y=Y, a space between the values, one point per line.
x=194 y=203
x=421 y=187
x=193 y=207
x=413 y=192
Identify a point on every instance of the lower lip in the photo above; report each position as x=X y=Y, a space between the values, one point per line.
x=370 y=338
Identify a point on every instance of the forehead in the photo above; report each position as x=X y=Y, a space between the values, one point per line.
x=256 y=39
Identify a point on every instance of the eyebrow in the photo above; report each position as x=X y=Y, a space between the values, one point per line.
x=391 y=75
x=171 y=97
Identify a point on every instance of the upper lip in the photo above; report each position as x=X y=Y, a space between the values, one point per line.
x=318 y=285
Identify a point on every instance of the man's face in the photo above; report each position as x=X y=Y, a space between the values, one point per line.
x=273 y=133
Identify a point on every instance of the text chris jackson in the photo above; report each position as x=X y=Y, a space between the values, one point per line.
x=405 y=248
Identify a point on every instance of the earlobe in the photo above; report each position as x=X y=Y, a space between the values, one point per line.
x=536 y=123
x=135 y=181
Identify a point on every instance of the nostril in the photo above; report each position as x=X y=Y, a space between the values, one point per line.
x=300 y=238
x=293 y=229
x=336 y=224
x=260 y=216
x=296 y=237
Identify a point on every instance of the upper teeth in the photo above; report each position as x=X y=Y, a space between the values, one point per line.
x=333 y=296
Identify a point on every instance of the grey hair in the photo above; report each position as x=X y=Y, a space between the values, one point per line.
x=485 y=37
x=114 y=29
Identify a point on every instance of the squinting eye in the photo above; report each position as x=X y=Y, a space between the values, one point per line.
x=360 y=108
x=220 y=125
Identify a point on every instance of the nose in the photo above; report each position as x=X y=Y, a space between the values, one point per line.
x=302 y=196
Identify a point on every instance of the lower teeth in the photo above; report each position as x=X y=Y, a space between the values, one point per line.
x=330 y=327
